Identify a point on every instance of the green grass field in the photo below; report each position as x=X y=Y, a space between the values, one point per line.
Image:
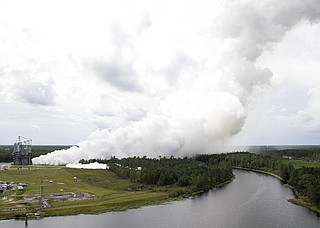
x=301 y=163
x=110 y=192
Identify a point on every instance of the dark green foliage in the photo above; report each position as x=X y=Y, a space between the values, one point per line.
x=202 y=173
x=6 y=153
x=306 y=182
x=310 y=153
x=285 y=171
x=184 y=180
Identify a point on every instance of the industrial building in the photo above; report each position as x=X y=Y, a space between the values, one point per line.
x=22 y=153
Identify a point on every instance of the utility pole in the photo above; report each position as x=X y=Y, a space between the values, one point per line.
x=76 y=180
x=26 y=220
x=41 y=192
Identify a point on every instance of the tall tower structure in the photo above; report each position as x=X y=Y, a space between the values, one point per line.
x=22 y=154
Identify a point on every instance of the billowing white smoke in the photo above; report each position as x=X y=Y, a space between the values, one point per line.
x=196 y=102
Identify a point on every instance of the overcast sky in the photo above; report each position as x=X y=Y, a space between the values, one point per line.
x=167 y=76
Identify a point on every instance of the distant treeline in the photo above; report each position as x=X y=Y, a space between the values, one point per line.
x=312 y=153
x=304 y=180
x=199 y=175
x=6 y=151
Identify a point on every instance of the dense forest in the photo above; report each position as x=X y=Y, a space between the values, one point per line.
x=181 y=172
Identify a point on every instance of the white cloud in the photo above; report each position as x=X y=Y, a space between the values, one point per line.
x=309 y=117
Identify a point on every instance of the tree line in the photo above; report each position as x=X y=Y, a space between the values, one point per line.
x=181 y=172
x=309 y=153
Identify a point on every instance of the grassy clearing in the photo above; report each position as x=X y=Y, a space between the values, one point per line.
x=110 y=192
x=98 y=182
x=301 y=163
x=113 y=202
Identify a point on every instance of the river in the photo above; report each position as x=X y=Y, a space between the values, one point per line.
x=250 y=200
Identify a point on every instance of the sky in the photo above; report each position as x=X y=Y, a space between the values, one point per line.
x=162 y=77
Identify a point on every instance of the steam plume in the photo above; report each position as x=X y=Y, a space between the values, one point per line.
x=197 y=101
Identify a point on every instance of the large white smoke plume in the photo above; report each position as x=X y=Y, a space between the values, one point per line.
x=188 y=94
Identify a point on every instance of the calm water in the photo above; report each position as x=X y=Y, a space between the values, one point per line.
x=251 y=200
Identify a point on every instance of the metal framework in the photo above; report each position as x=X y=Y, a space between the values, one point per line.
x=22 y=154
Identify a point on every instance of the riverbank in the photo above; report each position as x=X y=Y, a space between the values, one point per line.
x=260 y=171
x=300 y=201
x=92 y=192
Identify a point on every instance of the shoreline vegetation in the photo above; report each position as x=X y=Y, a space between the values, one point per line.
x=261 y=171
x=98 y=191
x=135 y=182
